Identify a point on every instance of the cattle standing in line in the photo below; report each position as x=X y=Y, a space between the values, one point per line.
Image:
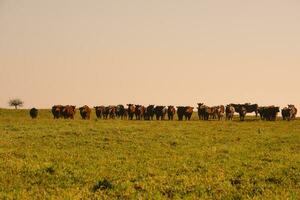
x=85 y=112
x=160 y=112
x=57 y=111
x=69 y=112
x=131 y=111
x=171 y=112
x=99 y=111
x=33 y=113
x=149 y=112
x=229 y=112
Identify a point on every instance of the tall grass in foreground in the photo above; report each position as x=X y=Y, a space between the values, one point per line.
x=121 y=159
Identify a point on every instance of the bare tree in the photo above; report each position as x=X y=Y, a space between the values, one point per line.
x=15 y=102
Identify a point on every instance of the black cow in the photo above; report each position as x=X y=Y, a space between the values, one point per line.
x=149 y=112
x=33 y=113
x=160 y=112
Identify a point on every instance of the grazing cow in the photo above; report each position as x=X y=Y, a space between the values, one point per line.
x=229 y=112
x=85 y=112
x=139 y=112
x=57 y=111
x=33 y=113
x=68 y=111
x=160 y=112
x=171 y=112
x=131 y=111
x=149 y=112
x=99 y=111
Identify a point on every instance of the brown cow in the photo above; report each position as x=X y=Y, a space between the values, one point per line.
x=69 y=111
x=85 y=112
x=131 y=111
x=57 y=111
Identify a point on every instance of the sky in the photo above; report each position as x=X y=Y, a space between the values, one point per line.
x=163 y=52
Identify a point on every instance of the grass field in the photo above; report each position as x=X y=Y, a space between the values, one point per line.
x=114 y=159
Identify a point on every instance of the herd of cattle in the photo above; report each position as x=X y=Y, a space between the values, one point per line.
x=140 y=112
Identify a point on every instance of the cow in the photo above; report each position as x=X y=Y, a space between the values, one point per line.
x=240 y=109
x=160 y=112
x=180 y=112
x=149 y=112
x=85 y=112
x=99 y=111
x=220 y=110
x=139 y=112
x=268 y=113
x=57 y=111
x=294 y=111
x=242 y=112
x=33 y=113
x=69 y=111
x=110 y=112
x=171 y=112
x=184 y=111
x=121 y=112
x=251 y=108
x=131 y=111
x=289 y=112
x=204 y=112
x=229 y=112
x=201 y=111
x=188 y=112
x=286 y=113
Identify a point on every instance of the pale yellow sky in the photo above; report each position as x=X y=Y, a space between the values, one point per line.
x=150 y=52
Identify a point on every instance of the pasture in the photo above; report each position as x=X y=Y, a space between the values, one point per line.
x=45 y=158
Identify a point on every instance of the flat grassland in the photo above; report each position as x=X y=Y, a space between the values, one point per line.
x=121 y=159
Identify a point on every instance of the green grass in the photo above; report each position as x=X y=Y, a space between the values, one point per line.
x=120 y=159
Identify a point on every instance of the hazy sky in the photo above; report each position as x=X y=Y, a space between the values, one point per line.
x=157 y=51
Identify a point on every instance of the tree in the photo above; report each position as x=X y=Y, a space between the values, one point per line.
x=15 y=103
